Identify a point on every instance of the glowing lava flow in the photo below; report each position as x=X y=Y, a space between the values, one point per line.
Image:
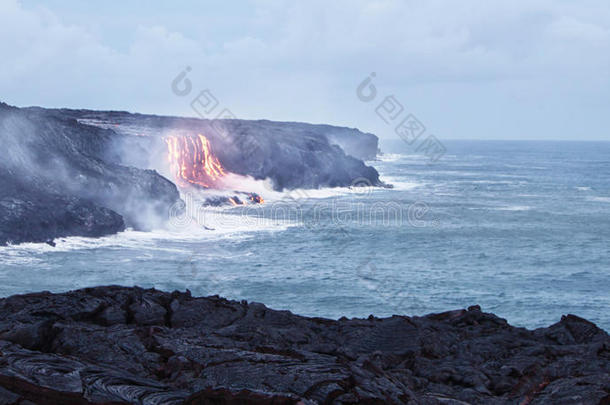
x=235 y=201
x=192 y=161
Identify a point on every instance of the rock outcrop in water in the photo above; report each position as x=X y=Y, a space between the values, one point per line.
x=90 y=173
x=129 y=345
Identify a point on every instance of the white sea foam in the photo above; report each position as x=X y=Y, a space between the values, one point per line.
x=232 y=221
x=492 y=182
x=389 y=157
x=234 y=182
x=219 y=225
x=207 y=223
x=505 y=208
x=514 y=208
x=454 y=173
x=318 y=193
x=599 y=199
x=400 y=184
x=199 y=224
x=525 y=167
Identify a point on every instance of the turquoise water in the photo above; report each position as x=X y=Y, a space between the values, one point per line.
x=520 y=228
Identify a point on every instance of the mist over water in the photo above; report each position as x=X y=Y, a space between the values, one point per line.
x=520 y=228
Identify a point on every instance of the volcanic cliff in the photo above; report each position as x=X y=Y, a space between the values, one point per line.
x=91 y=173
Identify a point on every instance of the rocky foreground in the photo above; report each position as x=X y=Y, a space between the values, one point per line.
x=111 y=345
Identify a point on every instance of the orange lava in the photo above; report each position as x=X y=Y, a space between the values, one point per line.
x=192 y=161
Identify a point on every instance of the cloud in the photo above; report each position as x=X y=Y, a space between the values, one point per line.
x=572 y=29
x=58 y=64
x=302 y=60
x=158 y=42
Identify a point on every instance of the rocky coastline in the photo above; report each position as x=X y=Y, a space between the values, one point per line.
x=119 y=345
x=93 y=173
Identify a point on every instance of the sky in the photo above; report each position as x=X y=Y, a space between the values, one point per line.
x=469 y=69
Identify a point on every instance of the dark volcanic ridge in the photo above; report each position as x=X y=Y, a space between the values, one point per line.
x=130 y=345
x=93 y=173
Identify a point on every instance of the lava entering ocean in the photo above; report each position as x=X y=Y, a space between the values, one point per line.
x=192 y=161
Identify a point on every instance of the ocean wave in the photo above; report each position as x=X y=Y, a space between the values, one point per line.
x=234 y=184
x=235 y=221
x=386 y=157
x=455 y=173
x=492 y=182
x=215 y=225
x=513 y=208
x=399 y=183
x=121 y=240
x=525 y=167
x=330 y=192
x=415 y=158
x=504 y=208
x=390 y=157
x=318 y=193
x=599 y=199
x=207 y=223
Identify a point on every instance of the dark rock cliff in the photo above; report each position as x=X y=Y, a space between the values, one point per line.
x=293 y=155
x=54 y=181
x=78 y=172
x=128 y=345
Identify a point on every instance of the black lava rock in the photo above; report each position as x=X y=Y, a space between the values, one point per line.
x=129 y=345
x=89 y=173
x=291 y=154
x=56 y=180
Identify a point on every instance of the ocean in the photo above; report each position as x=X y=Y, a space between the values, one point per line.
x=520 y=228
